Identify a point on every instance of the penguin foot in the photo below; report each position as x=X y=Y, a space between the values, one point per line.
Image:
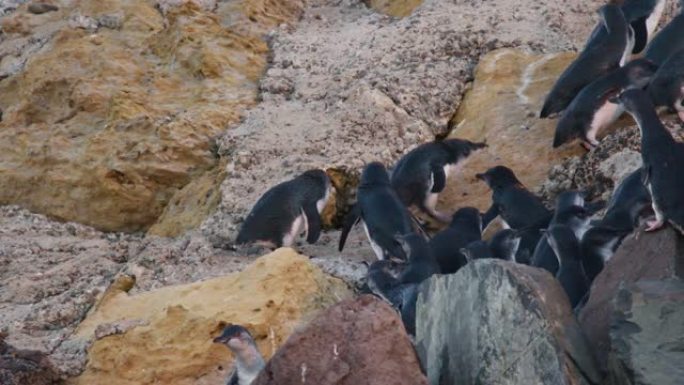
x=654 y=224
x=588 y=145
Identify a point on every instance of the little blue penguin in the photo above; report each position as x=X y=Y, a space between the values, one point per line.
x=570 y=272
x=601 y=241
x=248 y=360
x=421 y=174
x=591 y=110
x=604 y=53
x=465 y=228
x=516 y=205
x=503 y=245
x=663 y=161
x=383 y=214
x=279 y=215
x=666 y=89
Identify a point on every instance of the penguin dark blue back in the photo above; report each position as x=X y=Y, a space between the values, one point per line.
x=465 y=228
x=602 y=54
x=384 y=216
x=669 y=40
x=421 y=174
x=663 y=160
x=421 y=261
x=283 y=211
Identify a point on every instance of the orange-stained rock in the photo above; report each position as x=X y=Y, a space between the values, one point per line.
x=502 y=109
x=397 y=8
x=119 y=108
x=166 y=333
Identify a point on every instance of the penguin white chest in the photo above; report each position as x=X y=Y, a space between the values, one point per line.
x=376 y=248
x=603 y=118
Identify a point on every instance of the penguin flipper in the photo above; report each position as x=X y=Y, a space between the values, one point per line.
x=350 y=220
x=490 y=215
x=313 y=218
x=640 y=34
x=233 y=380
x=439 y=179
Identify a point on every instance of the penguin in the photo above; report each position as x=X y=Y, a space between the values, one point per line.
x=570 y=273
x=248 y=360
x=517 y=206
x=465 y=228
x=601 y=241
x=603 y=53
x=591 y=110
x=570 y=211
x=503 y=245
x=401 y=292
x=383 y=214
x=669 y=40
x=279 y=215
x=663 y=159
x=420 y=175
x=667 y=86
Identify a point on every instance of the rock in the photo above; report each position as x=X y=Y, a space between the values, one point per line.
x=501 y=109
x=127 y=116
x=23 y=367
x=647 y=334
x=497 y=322
x=165 y=335
x=356 y=342
x=397 y=8
x=40 y=8
x=646 y=256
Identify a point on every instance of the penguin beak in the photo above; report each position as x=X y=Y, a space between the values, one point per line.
x=482 y=177
x=614 y=100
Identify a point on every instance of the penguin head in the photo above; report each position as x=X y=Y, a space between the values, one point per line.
x=235 y=337
x=461 y=148
x=634 y=100
x=563 y=241
x=499 y=177
x=374 y=173
x=468 y=217
x=505 y=244
x=639 y=72
x=316 y=174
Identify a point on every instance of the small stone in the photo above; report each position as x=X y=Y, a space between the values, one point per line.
x=40 y=8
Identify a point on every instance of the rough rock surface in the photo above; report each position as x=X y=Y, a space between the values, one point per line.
x=509 y=324
x=181 y=321
x=647 y=334
x=643 y=256
x=355 y=342
x=501 y=109
x=22 y=367
x=349 y=86
x=128 y=112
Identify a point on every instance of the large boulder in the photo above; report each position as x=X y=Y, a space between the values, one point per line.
x=23 y=367
x=356 y=342
x=647 y=334
x=642 y=256
x=165 y=335
x=497 y=322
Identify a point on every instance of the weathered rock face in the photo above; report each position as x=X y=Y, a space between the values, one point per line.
x=127 y=113
x=22 y=367
x=502 y=109
x=356 y=342
x=165 y=335
x=647 y=334
x=509 y=324
x=646 y=256
x=397 y=8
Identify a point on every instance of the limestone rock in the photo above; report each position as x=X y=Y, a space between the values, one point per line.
x=167 y=332
x=128 y=112
x=22 y=367
x=356 y=342
x=501 y=109
x=497 y=322
x=644 y=256
x=647 y=334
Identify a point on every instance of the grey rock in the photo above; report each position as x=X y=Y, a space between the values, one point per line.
x=647 y=335
x=497 y=322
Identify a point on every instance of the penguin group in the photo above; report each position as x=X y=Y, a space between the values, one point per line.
x=625 y=66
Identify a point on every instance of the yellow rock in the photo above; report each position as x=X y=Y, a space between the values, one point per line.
x=397 y=8
x=173 y=344
x=502 y=108
x=104 y=127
